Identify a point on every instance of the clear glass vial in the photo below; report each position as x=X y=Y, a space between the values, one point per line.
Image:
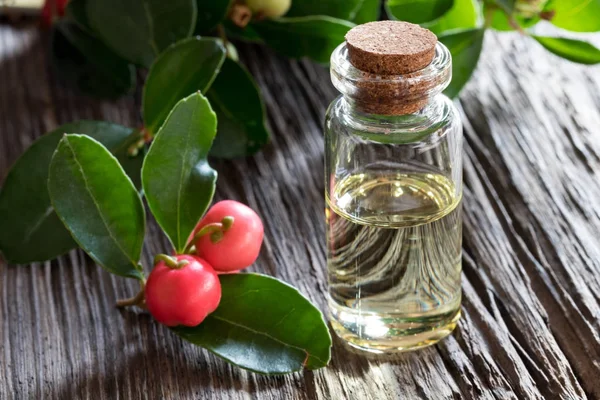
x=393 y=171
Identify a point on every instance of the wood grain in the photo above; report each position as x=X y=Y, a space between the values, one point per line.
x=531 y=282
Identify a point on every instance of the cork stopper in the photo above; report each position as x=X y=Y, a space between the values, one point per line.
x=390 y=47
x=391 y=56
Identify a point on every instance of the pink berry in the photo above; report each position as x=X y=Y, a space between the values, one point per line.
x=180 y=293
x=238 y=245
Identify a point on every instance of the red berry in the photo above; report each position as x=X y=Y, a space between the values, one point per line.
x=52 y=9
x=239 y=245
x=182 y=295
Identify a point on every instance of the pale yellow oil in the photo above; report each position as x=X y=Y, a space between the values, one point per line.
x=394 y=259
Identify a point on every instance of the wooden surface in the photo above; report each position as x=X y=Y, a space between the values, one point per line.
x=531 y=283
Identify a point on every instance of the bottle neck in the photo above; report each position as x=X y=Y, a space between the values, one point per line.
x=393 y=108
x=397 y=129
x=428 y=112
x=391 y=95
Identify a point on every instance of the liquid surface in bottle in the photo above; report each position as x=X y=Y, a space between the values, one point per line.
x=394 y=259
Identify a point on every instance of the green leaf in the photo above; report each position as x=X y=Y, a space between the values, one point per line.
x=465 y=47
x=367 y=11
x=506 y=5
x=75 y=11
x=314 y=37
x=577 y=15
x=98 y=204
x=240 y=111
x=31 y=230
x=571 y=49
x=247 y=34
x=86 y=62
x=464 y=14
x=500 y=22
x=118 y=140
x=178 y=182
x=188 y=66
x=289 y=335
x=343 y=9
x=36 y=233
x=418 y=11
x=140 y=30
x=210 y=14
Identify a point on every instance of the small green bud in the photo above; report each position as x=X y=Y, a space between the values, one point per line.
x=232 y=52
x=269 y=8
x=529 y=8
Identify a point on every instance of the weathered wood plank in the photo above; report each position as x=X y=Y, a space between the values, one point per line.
x=541 y=181
x=531 y=311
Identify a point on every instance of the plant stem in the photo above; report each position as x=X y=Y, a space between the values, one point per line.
x=489 y=15
x=147 y=135
x=227 y=222
x=170 y=261
x=137 y=300
x=206 y=230
x=223 y=36
x=215 y=230
x=515 y=25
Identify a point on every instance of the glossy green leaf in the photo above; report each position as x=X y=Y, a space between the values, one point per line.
x=464 y=14
x=343 y=9
x=178 y=182
x=31 y=231
x=314 y=37
x=465 y=47
x=240 y=112
x=140 y=30
x=367 y=11
x=571 y=49
x=577 y=15
x=289 y=335
x=188 y=66
x=86 y=62
x=36 y=233
x=98 y=204
x=118 y=140
x=418 y=11
x=76 y=12
x=210 y=14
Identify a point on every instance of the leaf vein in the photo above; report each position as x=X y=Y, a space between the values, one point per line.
x=88 y=189
x=268 y=336
x=285 y=316
x=39 y=223
x=180 y=189
x=579 y=8
x=152 y=41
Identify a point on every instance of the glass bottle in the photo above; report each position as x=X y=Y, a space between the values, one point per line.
x=393 y=172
